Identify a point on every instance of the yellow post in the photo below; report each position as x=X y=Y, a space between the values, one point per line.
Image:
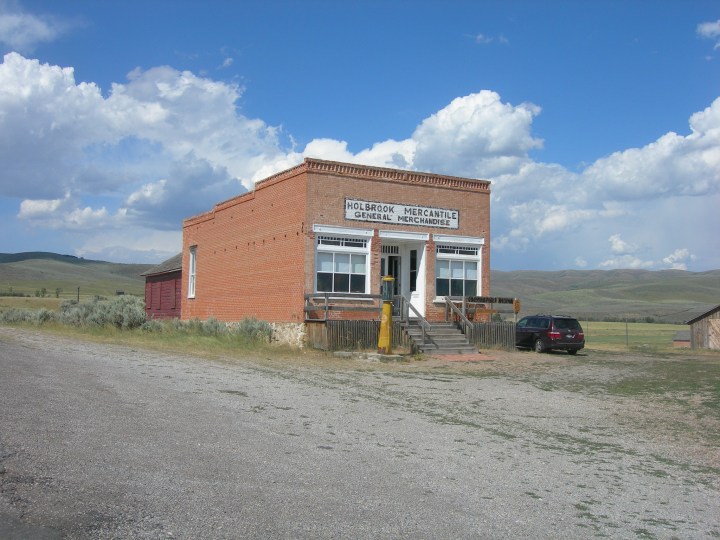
x=385 y=337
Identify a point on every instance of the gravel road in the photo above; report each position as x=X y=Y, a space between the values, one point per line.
x=105 y=441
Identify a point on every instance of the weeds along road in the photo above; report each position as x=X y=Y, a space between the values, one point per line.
x=104 y=441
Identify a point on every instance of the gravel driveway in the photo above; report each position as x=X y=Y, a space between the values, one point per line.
x=106 y=441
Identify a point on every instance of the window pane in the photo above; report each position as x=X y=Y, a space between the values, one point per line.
x=442 y=287
x=471 y=288
x=342 y=283
x=456 y=287
x=471 y=270
x=325 y=262
x=351 y=242
x=329 y=241
x=358 y=264
x=342 y=263
x=357 y=283
x=442 y=269
x=324 y=282
x=456 y=268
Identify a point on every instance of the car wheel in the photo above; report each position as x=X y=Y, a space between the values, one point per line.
x=572 y=351
x=539 y=345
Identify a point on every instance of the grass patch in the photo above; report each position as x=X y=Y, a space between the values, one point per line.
x=28 y=303
x=648 y=337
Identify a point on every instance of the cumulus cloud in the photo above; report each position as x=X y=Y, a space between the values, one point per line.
x=678 y=259
x=23 y=31
x=476 y=135
x=167 y=144
x=710 y=30
x=674 y=164
x=619 y=246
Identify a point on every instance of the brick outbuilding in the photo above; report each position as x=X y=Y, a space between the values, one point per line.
x=337 y=228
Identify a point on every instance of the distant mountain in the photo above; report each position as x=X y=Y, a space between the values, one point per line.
x=32 y=271
x=43 y=255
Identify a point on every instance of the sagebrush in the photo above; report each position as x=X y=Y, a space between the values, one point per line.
x=128 y=313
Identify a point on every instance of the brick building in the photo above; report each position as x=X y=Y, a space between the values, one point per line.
x=327 y=227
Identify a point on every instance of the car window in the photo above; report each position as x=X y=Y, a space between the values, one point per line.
x=523 y=322
x=567 y=324
x=543 y=322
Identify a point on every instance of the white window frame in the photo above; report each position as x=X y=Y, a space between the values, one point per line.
x=192 y=271
x=342 y=234
x=463 y=245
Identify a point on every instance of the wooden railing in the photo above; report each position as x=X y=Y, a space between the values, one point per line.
x=466 y=327
x=328 y=301
x=405 y=307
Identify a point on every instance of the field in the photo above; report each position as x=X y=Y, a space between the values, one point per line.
x=637 y=336
x=671 y=296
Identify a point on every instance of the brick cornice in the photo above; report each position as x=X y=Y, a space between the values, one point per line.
x=352 y=170
x=378 y=173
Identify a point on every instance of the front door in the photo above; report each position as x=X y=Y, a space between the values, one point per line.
x=404 y=263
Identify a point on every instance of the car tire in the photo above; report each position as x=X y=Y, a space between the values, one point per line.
x=572 y=351
x=539 y=346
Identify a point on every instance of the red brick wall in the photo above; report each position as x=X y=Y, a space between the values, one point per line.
x=249 y=256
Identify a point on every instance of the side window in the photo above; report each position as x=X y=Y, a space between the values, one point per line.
x=191 y=271
x=522 y=323
x=544 y=323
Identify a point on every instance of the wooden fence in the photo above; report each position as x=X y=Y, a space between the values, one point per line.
x=345 y=335
x=494 y=335
x=361 y=335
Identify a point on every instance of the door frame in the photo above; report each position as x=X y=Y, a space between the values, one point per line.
x=404 y=243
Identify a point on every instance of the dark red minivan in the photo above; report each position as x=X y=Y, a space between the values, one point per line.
x=550 y=332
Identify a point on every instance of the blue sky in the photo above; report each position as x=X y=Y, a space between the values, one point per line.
x=598 y=123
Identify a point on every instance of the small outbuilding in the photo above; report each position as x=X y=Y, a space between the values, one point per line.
x=705 y=330
x=163 y=287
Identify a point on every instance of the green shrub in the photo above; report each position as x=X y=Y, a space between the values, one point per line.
x=15 y=315
x=124 y=312
x=252 y=329
x=44 y=315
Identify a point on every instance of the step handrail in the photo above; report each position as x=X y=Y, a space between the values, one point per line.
x=466 y=327
x=405 y=307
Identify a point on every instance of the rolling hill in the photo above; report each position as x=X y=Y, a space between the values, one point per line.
x=665 y=295
x=32 y=271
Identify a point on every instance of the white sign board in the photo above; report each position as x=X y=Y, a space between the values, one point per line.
x=401 y=214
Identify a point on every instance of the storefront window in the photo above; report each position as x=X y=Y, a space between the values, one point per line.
x=456 y=271
x=341 y=265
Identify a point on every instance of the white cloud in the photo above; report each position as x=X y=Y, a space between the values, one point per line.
x=167 y=144
x=710 y=30
x=23 y=31
x=476 y=135
x=626 y=261
x=619 y=246
x=678 y=259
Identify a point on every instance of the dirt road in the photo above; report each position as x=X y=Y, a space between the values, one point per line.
x=104 y=441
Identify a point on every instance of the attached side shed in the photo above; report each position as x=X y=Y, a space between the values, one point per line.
x=163 y=286
x=705 y=330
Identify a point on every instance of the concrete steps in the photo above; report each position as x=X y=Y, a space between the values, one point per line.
x=440 y=338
